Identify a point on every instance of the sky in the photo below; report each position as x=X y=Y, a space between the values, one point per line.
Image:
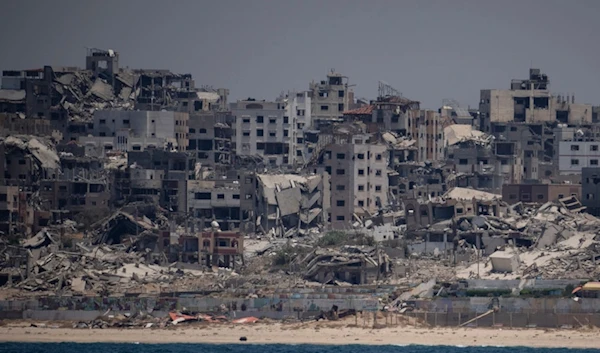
x=429 y=50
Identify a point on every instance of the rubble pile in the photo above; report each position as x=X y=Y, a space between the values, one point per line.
x=100 y=270
x=80 y=93
x=146 y=320
x=350 y=264
x=564 y=242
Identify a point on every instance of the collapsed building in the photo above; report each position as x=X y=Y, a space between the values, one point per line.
x=69 y=96
x=284 y=205
x=353 y=265
x=480 y=161
x=27 y=162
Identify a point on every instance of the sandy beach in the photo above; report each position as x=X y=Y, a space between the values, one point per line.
x=310 y=333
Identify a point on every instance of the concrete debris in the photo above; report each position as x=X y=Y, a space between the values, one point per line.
x=294 y=204
x=43 y=152
x=42 y=238
x=550 y=242
x=458 y=133
x=351 y=264
x=466 y=194
x=504 y=261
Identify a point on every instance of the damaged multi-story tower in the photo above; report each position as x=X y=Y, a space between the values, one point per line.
x=526 y=114
x=357 y=163
x=330 y=98
x=284 y=204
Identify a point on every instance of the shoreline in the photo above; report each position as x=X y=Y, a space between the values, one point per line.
x=313 y=333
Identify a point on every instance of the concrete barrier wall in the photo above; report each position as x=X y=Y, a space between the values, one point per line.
x=501 y=319
x=125 y=304
x=526 y=283
x=513 y=305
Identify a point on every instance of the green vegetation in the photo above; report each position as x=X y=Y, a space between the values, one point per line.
x=284 y=256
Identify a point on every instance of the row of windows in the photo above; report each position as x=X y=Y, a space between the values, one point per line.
x=342 y=187
x=361 y=156
x=361 y=172
x=208 y=196
x=575 y=162
x=261 y=133
x=527 y=196
x=325 y=108
x=261 y=119
x=325 y=94
x=576 y=147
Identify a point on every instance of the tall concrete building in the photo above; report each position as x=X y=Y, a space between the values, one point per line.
x=210 y=138
x=358 y=167
x=299 y=110
x=590 y=189
x=329 y=99
x=264 y=129
x=427 y=129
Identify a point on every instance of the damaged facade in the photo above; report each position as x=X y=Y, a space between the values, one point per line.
x=285 y=205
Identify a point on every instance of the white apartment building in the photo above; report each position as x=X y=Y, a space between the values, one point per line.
x=574 y=155
x=265 y=129
x=125 y=130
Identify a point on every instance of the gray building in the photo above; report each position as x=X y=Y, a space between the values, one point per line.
x=160 y=176
x=127 y=130
x=329 y=99
x=264 y=129
x=577 y=154
x=590 y=189
x=210 y=138
x=358 y=166
x=530 y=101
x=214 y=200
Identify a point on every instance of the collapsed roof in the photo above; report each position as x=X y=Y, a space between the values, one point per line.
x=466 y=194
x=458 y=133
x=43 y=151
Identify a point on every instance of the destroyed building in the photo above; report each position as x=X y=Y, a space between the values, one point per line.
x=160 y=177
x=457 y=202
x=221 y=249
x=390 y=112
x=538 y=193
x=475 y=161
x=69 y=96
x=330 y=98
x=214 y=200
x=352 y=265
x=82 y=185
x=284 y=204
x=530 y=115
x=116 y=130
x=530 y=101
x=211 y=138
x=16 y=124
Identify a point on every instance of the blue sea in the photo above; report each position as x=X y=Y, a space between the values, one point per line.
x=252 y=348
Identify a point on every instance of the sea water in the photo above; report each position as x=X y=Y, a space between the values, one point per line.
x=262 y=348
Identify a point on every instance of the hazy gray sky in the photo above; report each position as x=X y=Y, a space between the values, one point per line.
x=427 y=49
